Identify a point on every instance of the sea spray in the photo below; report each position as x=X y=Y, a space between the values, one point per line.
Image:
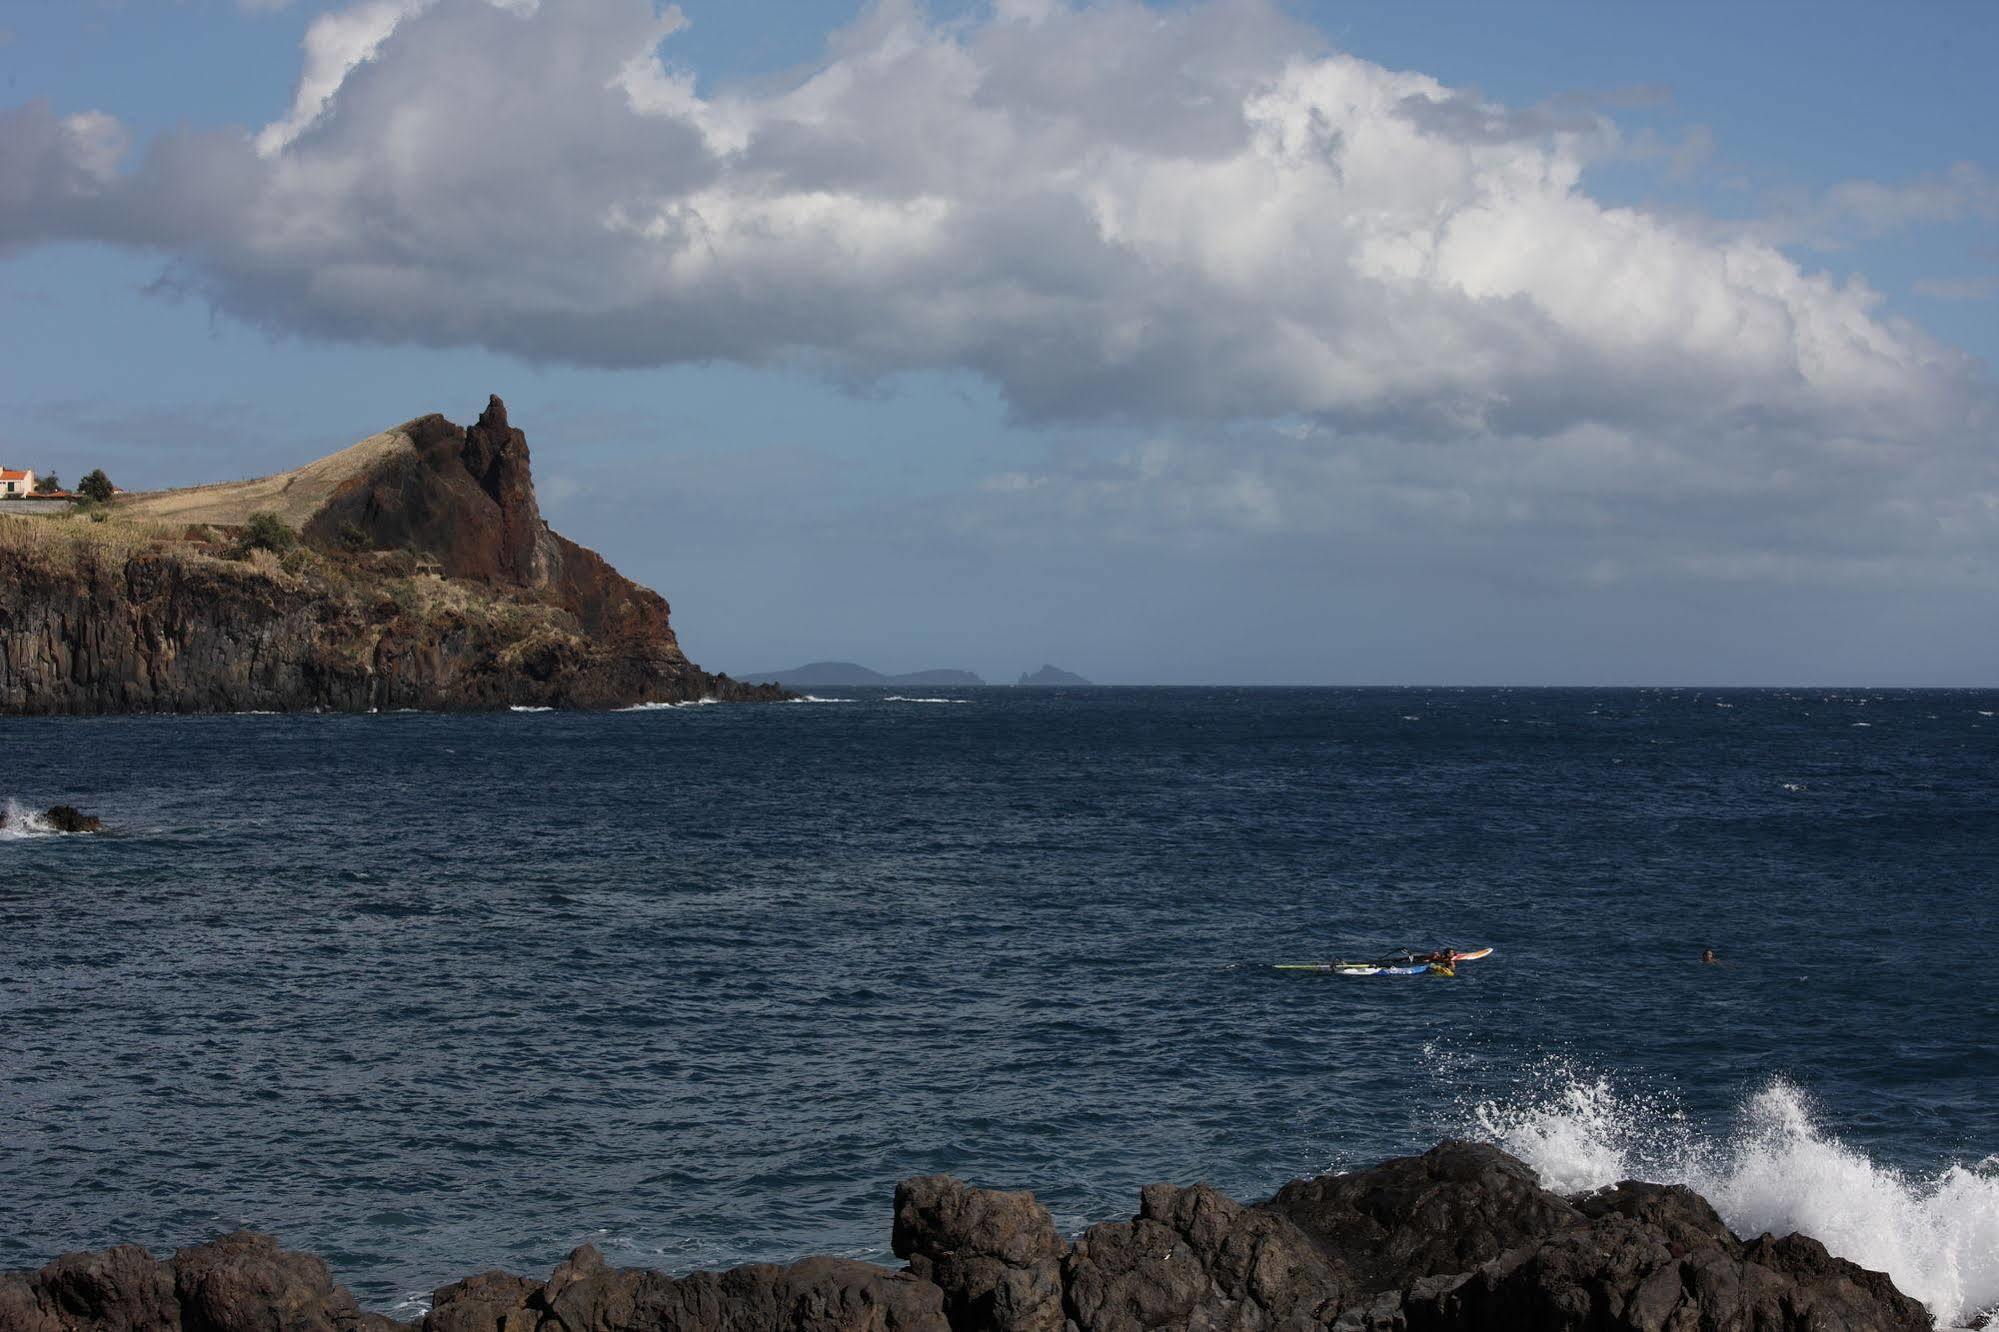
x=24 y=822
x=1937 y=1236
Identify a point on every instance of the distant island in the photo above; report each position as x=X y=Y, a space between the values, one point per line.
x=411 y=570
x=1053 y=676
x=846 y=674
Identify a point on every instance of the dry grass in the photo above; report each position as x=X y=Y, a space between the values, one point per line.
x=67 y=536
x=294 y=496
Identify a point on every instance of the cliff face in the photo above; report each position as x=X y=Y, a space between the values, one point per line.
x=160 y=609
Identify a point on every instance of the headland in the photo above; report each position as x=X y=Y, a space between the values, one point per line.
x=411 y=570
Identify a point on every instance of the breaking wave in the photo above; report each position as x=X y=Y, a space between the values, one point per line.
x=24 y=822
x=813 y=698
x=900 y=698
x=1936 y=1235
x=668 y=707
x=522 y=707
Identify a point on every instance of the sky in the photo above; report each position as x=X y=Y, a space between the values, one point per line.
x=1243 y=342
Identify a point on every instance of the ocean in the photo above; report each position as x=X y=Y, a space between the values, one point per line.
x=431 y=994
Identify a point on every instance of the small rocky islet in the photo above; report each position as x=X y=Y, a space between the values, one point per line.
x=1462 y=1237
x=56 y=818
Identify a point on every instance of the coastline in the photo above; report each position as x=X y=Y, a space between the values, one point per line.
x=1461 y=1237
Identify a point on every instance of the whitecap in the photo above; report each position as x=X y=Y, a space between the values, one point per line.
x=1934 y=1233
x=811 y=698
x=522 y=707
x=1863 y=723
x=898 y=698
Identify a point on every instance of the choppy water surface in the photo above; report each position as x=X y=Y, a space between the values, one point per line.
x=429 y=994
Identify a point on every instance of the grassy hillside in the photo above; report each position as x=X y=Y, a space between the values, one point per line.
x=294 y=496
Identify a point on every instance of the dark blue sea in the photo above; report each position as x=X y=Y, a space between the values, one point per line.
x=431 y=994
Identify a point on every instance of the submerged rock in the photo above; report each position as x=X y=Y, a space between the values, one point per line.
x=1460 y=1239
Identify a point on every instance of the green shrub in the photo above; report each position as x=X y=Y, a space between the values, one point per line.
x=96 y=486
x=353 y=537
x=266 y=531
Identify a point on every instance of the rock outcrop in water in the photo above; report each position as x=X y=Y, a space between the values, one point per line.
x=425 y=578
x=58 y=819
x=1460 y=1239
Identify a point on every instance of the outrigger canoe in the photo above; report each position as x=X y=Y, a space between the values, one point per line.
x=1397 y=966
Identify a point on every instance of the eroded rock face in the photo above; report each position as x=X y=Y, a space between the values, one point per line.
x=519 y=617
x=995 y=1255
x=240 y=1283
x=1197 y=1259
x=1459 y=1239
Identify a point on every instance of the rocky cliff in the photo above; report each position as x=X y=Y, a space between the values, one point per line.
x=1462 y=1238
x=424 y=578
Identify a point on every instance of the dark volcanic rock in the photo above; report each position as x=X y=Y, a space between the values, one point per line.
x=1620 y=1273
x=585 y=1295
x=995 y=1255
x=1448 y=1210
x=239 y=1283
x=69 y=819
x=1193 y=1258
x=1459 y=1239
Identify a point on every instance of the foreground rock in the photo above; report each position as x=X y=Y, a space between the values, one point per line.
x=422 y=577
x=1460 y=1238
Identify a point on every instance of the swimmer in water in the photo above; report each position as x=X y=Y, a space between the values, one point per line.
x=1707 y=956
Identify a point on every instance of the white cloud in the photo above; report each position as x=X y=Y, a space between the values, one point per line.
x=1182 y=218
x=1107 y=211
x=334 y=45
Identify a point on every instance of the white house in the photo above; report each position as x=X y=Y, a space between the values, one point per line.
x=17 y=483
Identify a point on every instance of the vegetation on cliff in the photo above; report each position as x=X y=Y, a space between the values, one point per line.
x=412 y=570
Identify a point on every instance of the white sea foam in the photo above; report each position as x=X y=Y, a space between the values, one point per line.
x=668 y=707
x=898 y=698
x=522 y=707
x=1936 y=1235
x=811 y=698
x=1863 y=723
x=24 y=822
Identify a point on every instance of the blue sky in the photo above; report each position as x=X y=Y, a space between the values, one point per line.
x=1242 y=342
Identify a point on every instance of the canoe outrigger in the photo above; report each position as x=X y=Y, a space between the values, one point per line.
x=1441 y=962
